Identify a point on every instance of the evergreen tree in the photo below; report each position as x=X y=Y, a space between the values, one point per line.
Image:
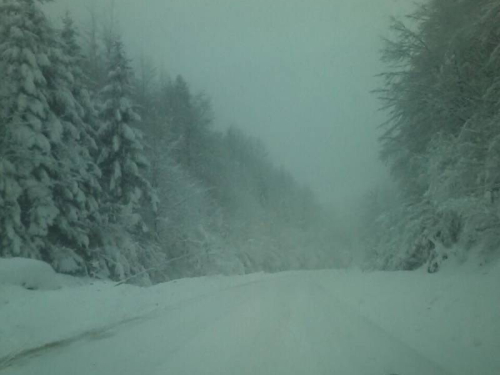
x=122 y=157
x=123 y=165
x=29 y=129
x=42 y=130
x=81 y=146
x=188 y=119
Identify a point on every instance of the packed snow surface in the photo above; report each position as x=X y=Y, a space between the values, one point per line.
x=315 y=322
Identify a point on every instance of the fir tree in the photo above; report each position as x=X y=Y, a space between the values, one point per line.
x=123 y=165
x=122 y=157
x=49 y=174
x=30 y=130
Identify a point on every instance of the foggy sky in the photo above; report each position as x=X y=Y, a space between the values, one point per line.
x=295 y=73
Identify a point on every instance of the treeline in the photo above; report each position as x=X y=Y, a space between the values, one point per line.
x=114 y=172
x=442 y=140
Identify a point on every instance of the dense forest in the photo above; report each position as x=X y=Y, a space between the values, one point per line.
x=442 y=139
x=112 y=169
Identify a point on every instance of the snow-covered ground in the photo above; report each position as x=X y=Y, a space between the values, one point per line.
x=322 y=322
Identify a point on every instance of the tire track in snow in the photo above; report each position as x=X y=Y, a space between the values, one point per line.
x=109 y=330
x=93 y=334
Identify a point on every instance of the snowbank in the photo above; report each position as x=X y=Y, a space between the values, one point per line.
x=28 y=273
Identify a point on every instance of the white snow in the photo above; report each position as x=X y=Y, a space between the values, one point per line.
x=28 y=273
x=316 y=322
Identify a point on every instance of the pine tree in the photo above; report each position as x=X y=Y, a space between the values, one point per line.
x=123 y=165
x=122 y=158
x=76 y=108
x=50 y=191
x=30 y=130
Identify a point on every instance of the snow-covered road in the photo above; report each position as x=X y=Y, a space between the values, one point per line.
x=287 y=324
